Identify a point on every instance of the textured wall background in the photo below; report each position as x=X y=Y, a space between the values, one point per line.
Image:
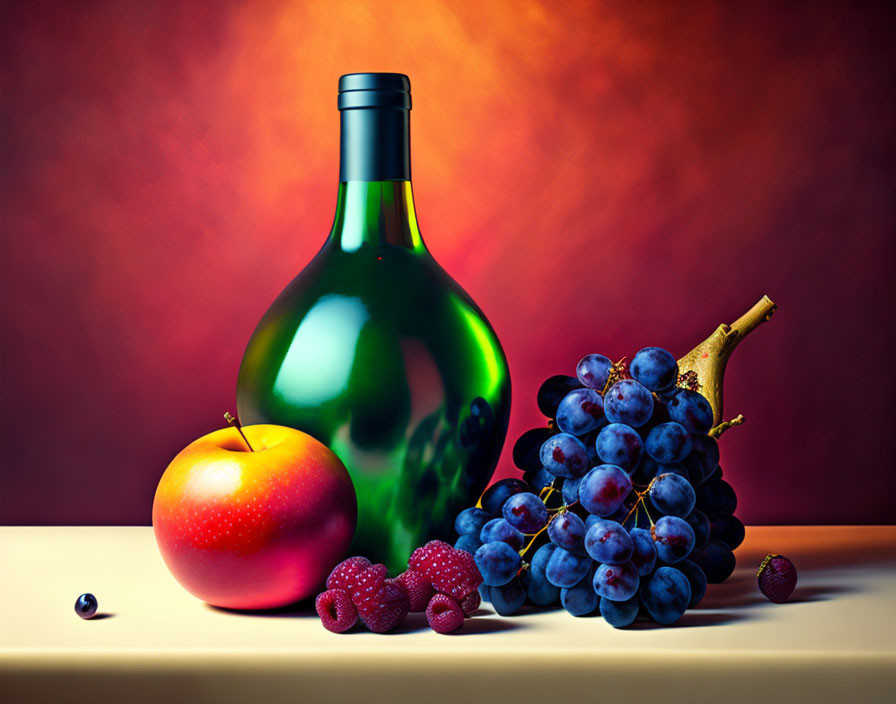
x=599 y=176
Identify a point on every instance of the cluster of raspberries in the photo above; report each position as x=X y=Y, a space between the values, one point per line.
x=440 y=580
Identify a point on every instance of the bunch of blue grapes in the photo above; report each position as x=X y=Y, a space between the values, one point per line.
x=621 y=509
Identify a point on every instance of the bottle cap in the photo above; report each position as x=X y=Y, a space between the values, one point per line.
x=374 y=90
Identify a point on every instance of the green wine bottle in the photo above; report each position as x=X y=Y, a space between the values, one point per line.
x=375 y=351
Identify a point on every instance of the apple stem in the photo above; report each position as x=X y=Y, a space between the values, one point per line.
x=235 y=422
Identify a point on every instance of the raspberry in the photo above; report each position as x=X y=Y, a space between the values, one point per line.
x=367 y=584
x=419 y=589
x=468 y=562
x=777 y=578
x=430 y=557
x=443 y=614
x=470 y=602
x=461 y=578
x=336 y=611
x=344 y=574
x=387 y=608
x=451 y=571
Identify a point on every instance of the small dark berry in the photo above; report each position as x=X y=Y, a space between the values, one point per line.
x=777 y=578
x=86 y=606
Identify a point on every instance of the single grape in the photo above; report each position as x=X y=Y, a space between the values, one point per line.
x=621 y=513
x=699 y=523
x=580 y=600
x=591 y=520
x=677 y=468
x=628 y=402
x=693 y=467
x=655 y=368
x=564 y=455
x=603 y=489
x=715 y=474
x=497 y=562
x=508 y=598
x=541 y=592
x=617 y=582
x=470 y=521
x=527 y=449
x=727 y=528
x=565 y=568
x=620 y=445
x=716 y=560
x=495 y=496
x=567 y=531
x=716 y=496
x=672 y=494
x=673 y=537
x=646 y=470
x=620 y=614
x=706 y=449
x=668 y=443
x=690 y=409
x=525 y=512
x=468 y=543
x=499 y=530
x=608 y=541
x=86 y=606
x=571 y=490
x=666 y=595
x=538 y=479
x=691 y=570
x=552 y=391
x=644 y=551
x=580 y=411
x=593 y=370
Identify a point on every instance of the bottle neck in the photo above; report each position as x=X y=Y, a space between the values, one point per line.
x=376 y=213
x=375 y=144
x=375 y=205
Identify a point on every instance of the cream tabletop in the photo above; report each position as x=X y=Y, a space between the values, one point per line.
x=833 y=642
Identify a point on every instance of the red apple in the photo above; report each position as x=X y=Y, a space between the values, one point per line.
x=254 y=530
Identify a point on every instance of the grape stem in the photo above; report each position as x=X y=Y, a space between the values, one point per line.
x=524 y=566
x=638 y=502
x=534 y=536
x=717 y=431
x=616 y=373
x=652 y=524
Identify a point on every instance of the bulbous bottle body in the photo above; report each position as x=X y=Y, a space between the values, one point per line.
x=375 y=351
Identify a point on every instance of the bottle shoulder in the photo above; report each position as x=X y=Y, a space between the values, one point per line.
x=383 y=278
x=342 y=298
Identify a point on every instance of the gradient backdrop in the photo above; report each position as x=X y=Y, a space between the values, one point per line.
x=599 y=176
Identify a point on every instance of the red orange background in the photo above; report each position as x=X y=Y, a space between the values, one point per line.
x=599 y=176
